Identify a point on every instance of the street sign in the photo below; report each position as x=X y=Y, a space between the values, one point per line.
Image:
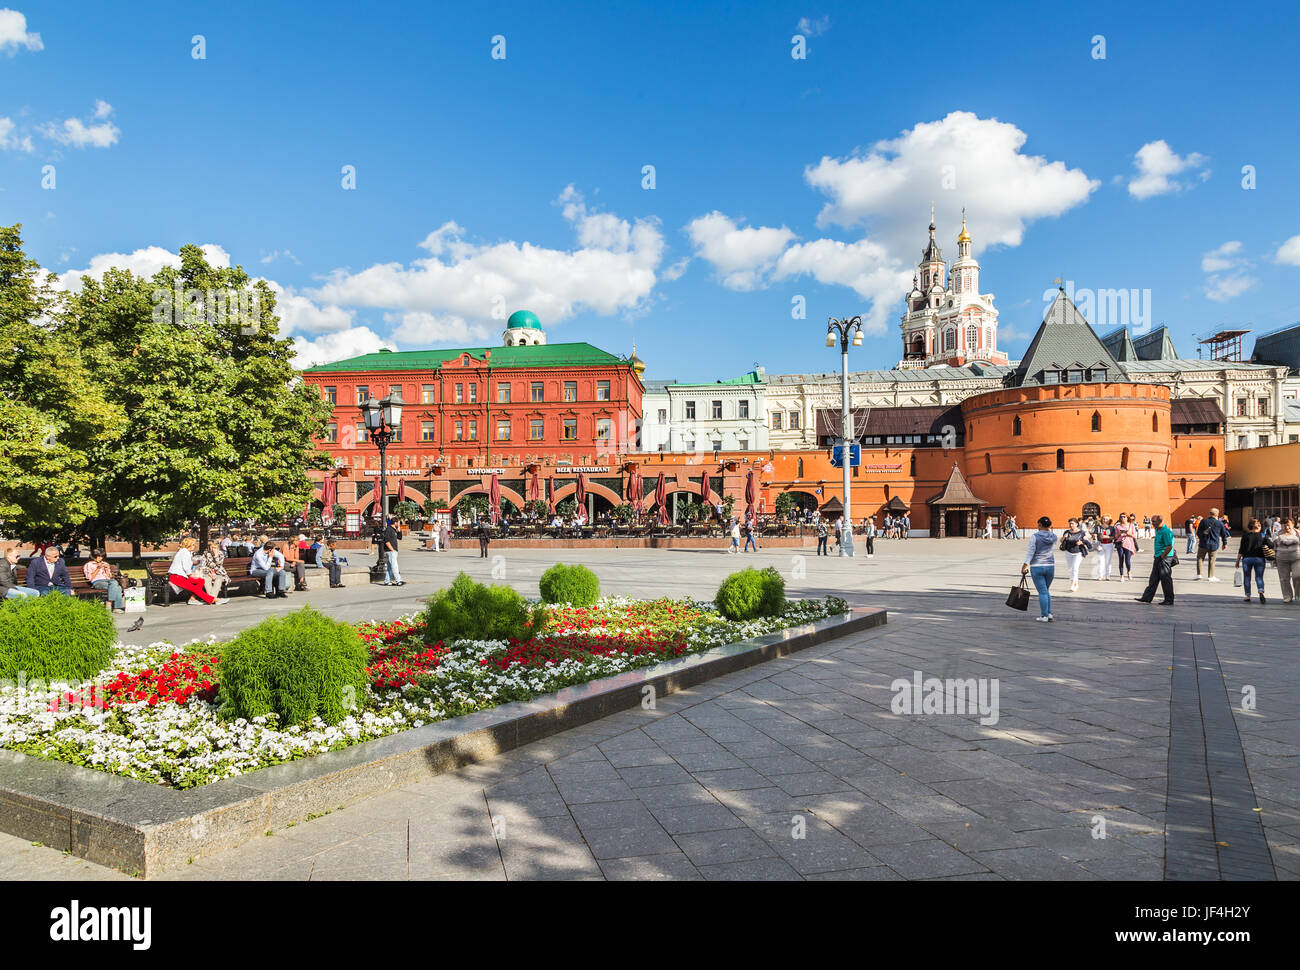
x=855 y=456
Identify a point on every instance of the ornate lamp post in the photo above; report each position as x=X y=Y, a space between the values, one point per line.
x=847 y=330
x=382 y=419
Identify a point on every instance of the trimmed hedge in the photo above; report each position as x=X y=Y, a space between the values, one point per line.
x=296 y=667
x=575 y=585
x=751 y=593
x=467 y=610
x=54 y=638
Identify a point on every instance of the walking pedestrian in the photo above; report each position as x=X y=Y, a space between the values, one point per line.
x=1250 y=556
x=444 y=532
x=822 y=534
x=1211 y=536
x=1189 y=528
x=1106 y=546
x=1286 y=545
x=749 y=536
x=1075 y=544
x=869 y=533
x=733 y=530
x=484 y=537
x=1162 y=565
x=388 y=544
x=1040 y=564
x=1125 y=546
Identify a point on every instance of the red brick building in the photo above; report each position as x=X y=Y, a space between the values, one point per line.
x=527 y=402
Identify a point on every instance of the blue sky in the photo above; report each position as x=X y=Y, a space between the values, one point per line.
x=485 y=184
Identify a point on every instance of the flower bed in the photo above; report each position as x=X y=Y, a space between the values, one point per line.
x=151 y=715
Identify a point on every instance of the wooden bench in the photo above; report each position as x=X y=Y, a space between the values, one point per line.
x=80 y=585
x=160 y=588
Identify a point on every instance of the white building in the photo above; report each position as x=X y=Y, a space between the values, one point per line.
x=725 y=415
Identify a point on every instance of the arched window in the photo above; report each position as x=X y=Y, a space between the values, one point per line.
x=1155 y=422
x=972 y=337
x=1024 y=466
x=1123 y=459
x=911 y=468
x=950 y=339
x=1060 y=457
x=1096 y=420
x=1016 y=426
x=1214 y=458
x=988 y=464
x=801 y=468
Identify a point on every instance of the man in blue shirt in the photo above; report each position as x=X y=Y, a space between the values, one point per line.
x=1211 y=536
x=1162 y=564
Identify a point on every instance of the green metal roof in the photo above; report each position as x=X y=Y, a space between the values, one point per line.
x=545 y=355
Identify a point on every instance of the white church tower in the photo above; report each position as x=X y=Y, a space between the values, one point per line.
x=946 y=320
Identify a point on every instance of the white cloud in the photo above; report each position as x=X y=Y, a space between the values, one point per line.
x=887 y=191
x=142 y=262
x=613 y=268
x=337 y=346
x=1227 y=267
x=813 y=28
x=1289 y=252
x=275 y=254
x=9 y=140
x=1224 y=257
x=297 y=313
x=79 y=134
x=14 y=33
x=417 y=327
x=1156 y=163
x=742 y=257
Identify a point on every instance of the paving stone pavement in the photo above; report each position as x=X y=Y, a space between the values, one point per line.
x=800 y=769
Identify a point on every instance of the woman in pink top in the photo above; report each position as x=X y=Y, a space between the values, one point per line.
x=1125 y=546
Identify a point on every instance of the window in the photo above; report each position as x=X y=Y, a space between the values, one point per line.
x=1263 y=441
x=1243 y=441
x=1024 y=466
x=535 y=429
x=473 y=429
x=717 y=446
x=988 y=464
x=1096 y=420
x=362 y=434
x=460 y=393
x=460 y=430
x=1099 y=374
x=604 y=427
x=988 y=338
x=690 y=445
x=397 y=433
x=503 y=393
x=1214 y=457
x=1051 y=377
x=602 y=390
x=535 y=391
x=690 y=410
x=776 y=420
x=717 y=409
x=1123 y=459
x=332 y=433
x=663 y=415
x=950 y=340
x=426 y=430
x=911 y=466
x=972 y=337
x=395 y=389
x=1075 y=376
x=1016 y=427
x=800 y=475
x=570 y=390
x=363 y=392
x=1263 y=407
x=744 y=446
x=429 y=394
x=503 y=429
x=1241 y=407
x=332 y=395
x=1060 y=458
x=570 y=429
x=1155 y=422
x=473 y=393
x=743 y=409
x=794 y=420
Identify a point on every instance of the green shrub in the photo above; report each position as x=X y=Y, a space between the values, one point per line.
x=294 y=666
x=467 y=610
x=576 y=585
x=751 y=593
x=54 y=638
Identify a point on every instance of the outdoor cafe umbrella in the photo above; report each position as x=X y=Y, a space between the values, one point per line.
x=704 y=488
x=494 y=498
x=550 y=497
x=634 y=491
x=581 y=495
x=534 y=487
x=329 y=497
x=401 y=491
x=661 y=497
x=751 y=496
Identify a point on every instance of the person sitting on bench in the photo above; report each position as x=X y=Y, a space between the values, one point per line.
x=99 y=573
x=181 y=573
x=327 y=559
x=275 y=580
x=49 y=574
x=293 y=561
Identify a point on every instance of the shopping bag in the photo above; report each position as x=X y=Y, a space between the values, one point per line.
x=1237 y=578
x=1018 y=598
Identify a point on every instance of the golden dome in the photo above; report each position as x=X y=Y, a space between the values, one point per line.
x=965 y=236
x=637 y=363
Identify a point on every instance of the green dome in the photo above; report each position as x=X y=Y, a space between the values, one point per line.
x=525 y=319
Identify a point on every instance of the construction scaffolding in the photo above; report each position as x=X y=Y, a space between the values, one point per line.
x=1222 y=345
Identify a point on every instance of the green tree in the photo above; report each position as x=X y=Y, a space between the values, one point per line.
x=51 y=409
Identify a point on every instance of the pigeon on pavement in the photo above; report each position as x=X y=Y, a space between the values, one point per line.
x=136 y=625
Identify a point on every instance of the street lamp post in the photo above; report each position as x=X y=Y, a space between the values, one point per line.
x=848 y=330
x=382 y=419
